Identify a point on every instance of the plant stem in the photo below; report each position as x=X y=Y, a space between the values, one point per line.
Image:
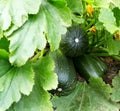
x=36 y=57
x=116 y=57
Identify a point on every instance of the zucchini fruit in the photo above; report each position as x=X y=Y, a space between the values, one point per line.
x=75 y=42
x=89 y=66
x=66 y=73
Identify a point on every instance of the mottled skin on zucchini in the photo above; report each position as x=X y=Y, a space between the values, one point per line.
x=88 y=66
x=66 y=73
x=75 y=42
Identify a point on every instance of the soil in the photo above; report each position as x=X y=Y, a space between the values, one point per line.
x=113 y=67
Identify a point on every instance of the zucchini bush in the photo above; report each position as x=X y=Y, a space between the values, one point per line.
x=32 y=30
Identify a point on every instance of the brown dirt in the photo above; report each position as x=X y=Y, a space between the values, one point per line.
x=113 y=66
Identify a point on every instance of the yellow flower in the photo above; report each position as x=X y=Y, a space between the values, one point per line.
x=117 y=35
x=90 y=10
x=93 y=29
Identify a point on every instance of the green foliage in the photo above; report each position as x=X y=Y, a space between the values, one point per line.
x=86 y=97
x=31 y=35
x=76 y=6
x=4 y=44
x=16 y=12
x=116 y=12
x=14 y=82
x=110 y=24
x=112 y=45
x=116 y=88
x=30 y=29
x=44 y=69
x=23 y=45
x=101 y=3
x=38 y=100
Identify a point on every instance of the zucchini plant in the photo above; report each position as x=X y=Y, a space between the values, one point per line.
x=39 y=40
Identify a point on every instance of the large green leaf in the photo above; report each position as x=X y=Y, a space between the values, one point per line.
x=86 y=97
x=57 y=18
x=38 y=100
x=24 y=42
x=32 y=35
x=76 y=6
x=44 y=69
x=116 y=12
x=14 y=82
x=113 y=46
x=16 y=12
x=99 y=86
x=77 y=9
x=106 y=16
x=116 y=88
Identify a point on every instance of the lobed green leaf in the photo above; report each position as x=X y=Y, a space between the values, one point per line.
x=44 y=69
x=38 y=100
x=32 y=35
x=16 y=12
x=106 y=16
x=27 y=39
x=14 y=82
x=115 y=96
x=86 y=97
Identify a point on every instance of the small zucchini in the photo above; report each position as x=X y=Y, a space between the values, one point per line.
x=89 y=66
x=75 y=42
x=65 y=70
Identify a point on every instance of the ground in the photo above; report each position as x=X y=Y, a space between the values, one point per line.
x=113 y=66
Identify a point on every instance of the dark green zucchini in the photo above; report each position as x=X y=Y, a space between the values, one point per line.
x=89 y=66
x=75 y=42
x=65 y=70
